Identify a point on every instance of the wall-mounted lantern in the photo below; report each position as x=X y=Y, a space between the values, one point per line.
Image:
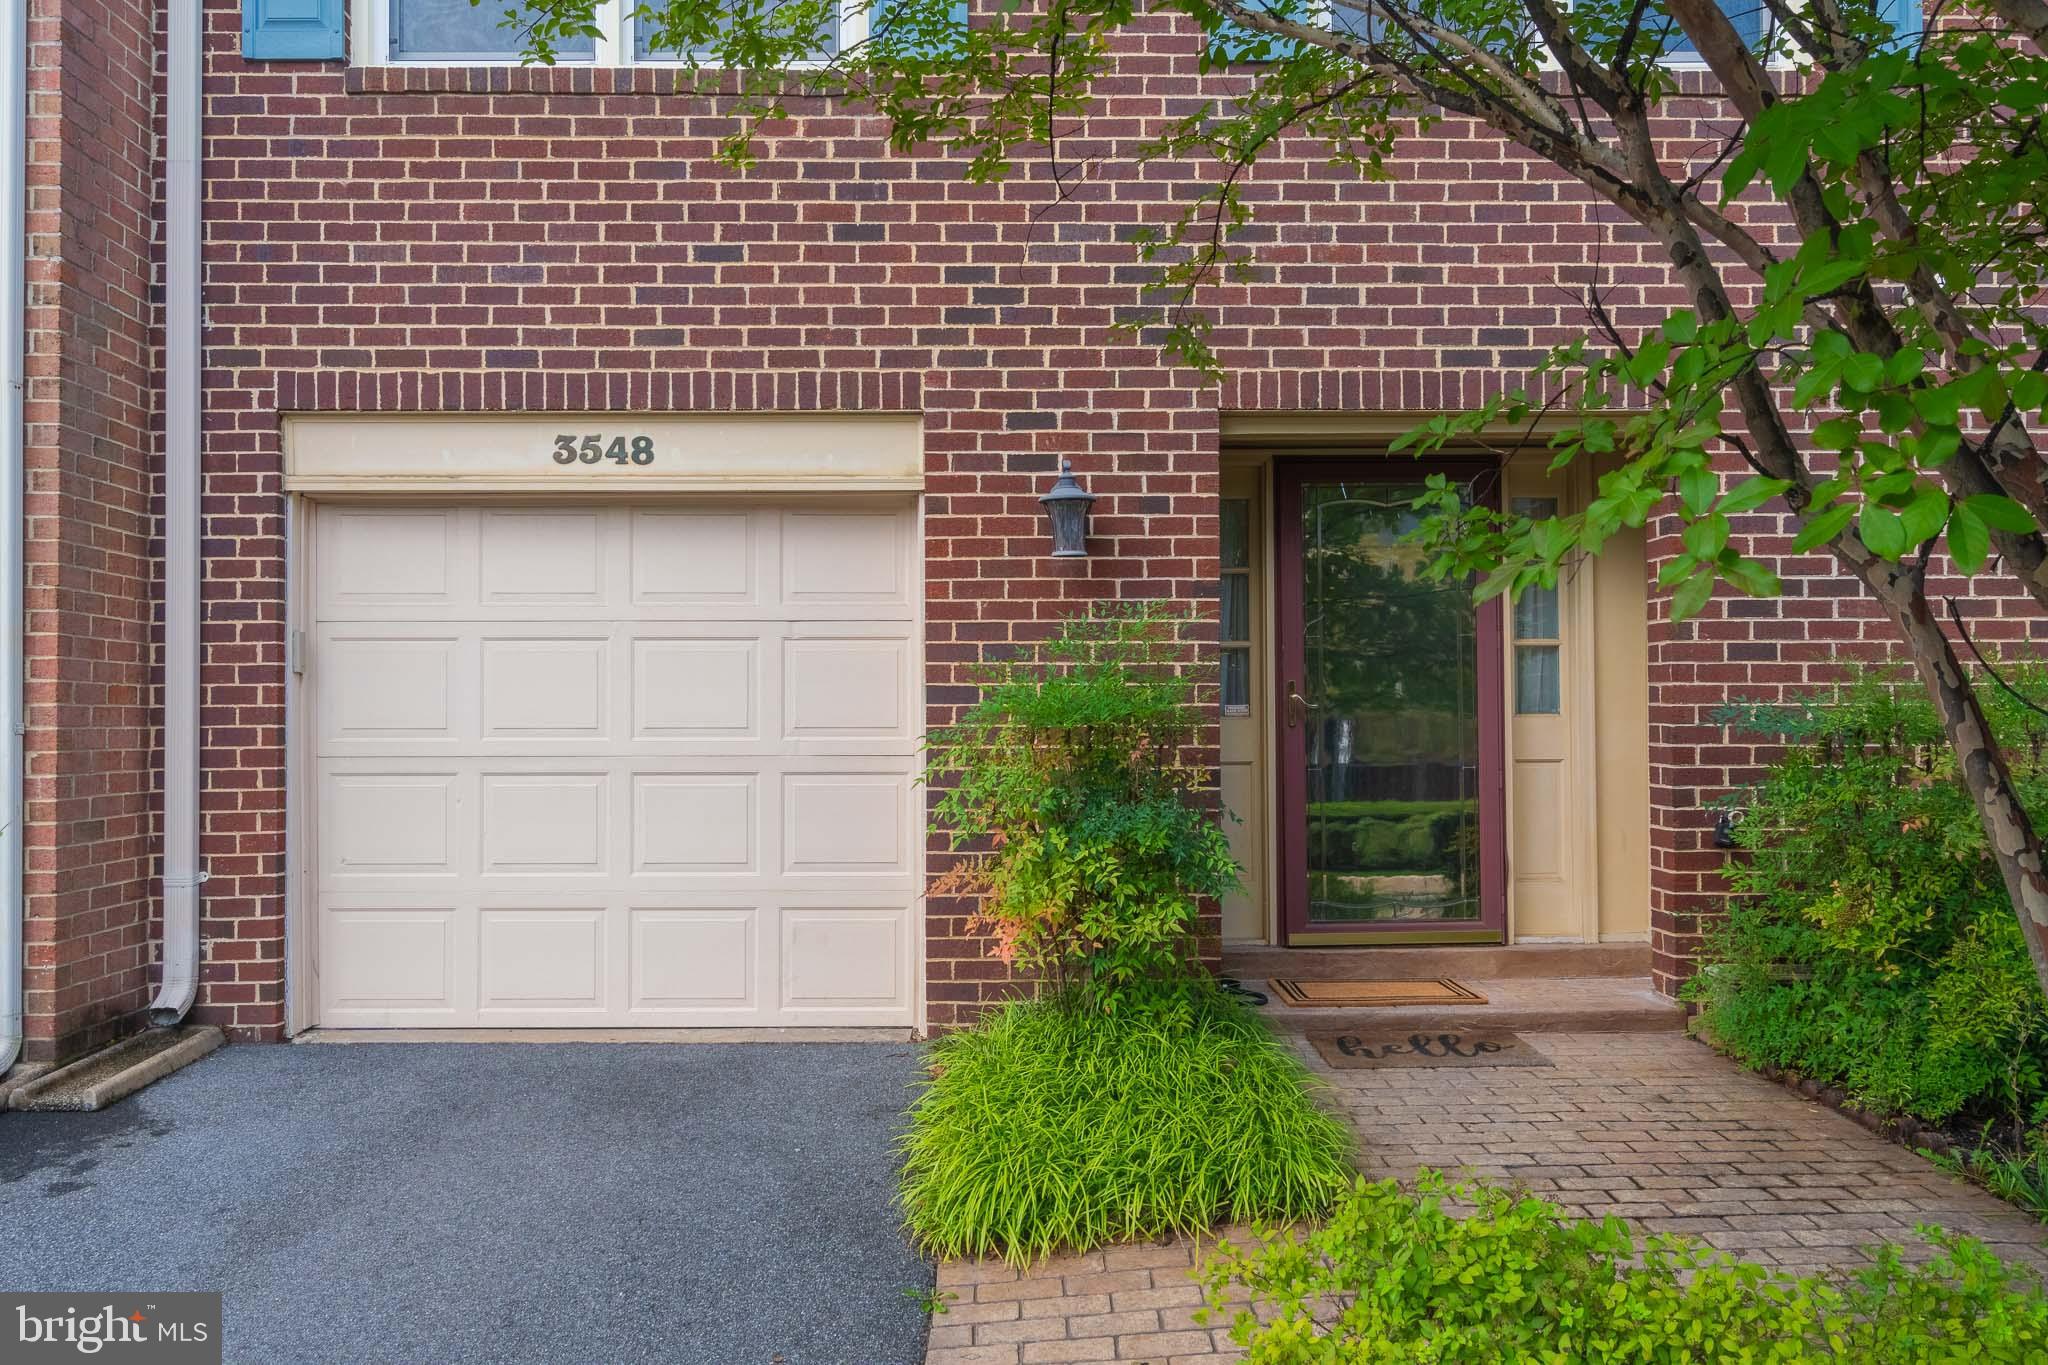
x=1066 y=507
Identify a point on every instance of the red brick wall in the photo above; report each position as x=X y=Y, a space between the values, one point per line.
x=505 y=239
x=91 y=756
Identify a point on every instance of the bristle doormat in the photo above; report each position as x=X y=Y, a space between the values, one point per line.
x=1372 y=994
x=1369 y=1051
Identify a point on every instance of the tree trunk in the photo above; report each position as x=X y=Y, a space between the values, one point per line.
x=2015 y=843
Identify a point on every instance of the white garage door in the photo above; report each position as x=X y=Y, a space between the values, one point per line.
x=600 y=766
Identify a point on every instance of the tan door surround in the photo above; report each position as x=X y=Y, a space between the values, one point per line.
x=1577 y=814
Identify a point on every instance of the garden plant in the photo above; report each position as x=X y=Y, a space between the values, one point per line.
x=1869 y=944
x=1131 y=1097
x=1471 y=1274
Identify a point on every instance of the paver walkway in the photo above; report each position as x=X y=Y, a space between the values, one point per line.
x=1654 y=1127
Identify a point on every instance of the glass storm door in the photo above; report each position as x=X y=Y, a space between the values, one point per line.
x=1391 y=779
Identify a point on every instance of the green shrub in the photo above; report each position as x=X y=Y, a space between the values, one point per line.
x=1871 y=944
x=1089 y=840
x=1394 y=1278
x=1045 y=1128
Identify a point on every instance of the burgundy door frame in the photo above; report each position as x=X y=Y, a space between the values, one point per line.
x=1289 y=660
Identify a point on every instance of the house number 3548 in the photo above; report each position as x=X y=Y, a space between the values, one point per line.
x=593 y=449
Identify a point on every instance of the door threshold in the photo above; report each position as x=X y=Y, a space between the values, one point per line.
x=1441 y=938
x=606 y=1035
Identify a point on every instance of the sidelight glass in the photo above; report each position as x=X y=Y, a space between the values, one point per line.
x=1390 y=706
x=1234 y=617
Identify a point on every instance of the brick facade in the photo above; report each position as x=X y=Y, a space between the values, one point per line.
x=503 y=239
x=91 y=754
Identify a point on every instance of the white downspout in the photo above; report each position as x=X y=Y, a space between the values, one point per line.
x=182 y=340
x=13 y=437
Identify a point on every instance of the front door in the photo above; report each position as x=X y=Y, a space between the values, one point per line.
x=1391 y=794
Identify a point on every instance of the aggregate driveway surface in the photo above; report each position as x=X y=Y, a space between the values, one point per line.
x=479 y=1202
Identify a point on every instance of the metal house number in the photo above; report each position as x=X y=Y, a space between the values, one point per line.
x=638 y=450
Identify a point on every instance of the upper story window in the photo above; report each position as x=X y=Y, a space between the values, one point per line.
x=457 y=33
x=1750 y=18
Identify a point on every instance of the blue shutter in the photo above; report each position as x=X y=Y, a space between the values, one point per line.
x=1903 y=15
x=293 y=30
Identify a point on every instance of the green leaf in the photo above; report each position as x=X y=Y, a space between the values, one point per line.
x=1683 y=325
x=1882 y=530
x=1697 y=488
x=1938 y=407
x=1824 y=526
x=1863 y=372
x=1969 y=540
x=1924 y=516
x=1753 y=578
x=2000 y=512
x=1838 y=433
x=1752 y=493
x=1905 y=366
x=1692 y=594
x=1707 y=537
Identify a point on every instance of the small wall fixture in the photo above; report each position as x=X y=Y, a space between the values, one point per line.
x=1066 y=507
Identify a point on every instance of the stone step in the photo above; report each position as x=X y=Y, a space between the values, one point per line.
x=1391 y=963
x=1594 y=1004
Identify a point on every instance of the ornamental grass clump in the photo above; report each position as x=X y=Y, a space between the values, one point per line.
x=1049 y=1127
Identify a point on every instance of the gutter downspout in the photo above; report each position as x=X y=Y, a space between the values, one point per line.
x=182 y=341
x=13 y=438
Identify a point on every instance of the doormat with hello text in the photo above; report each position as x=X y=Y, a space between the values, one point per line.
x=1367 y=1051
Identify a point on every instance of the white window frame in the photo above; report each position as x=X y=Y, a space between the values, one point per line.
x=370 y=27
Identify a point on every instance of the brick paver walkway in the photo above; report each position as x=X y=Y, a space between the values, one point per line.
x=1651 y=1126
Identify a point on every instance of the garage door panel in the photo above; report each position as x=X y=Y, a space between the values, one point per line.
x=543 y=822
x=845 y=824
x=844 y=960
x=695 y=960
x=417 y=692
x=542 y=958
x=848 y=687
x=697 y=824
x=541 y=688
x=389 y=824
x=622 y=766
x=554 y=558
x=701 y=688
x=845 y=558
x=699 y=559
x=380 y=559
x=389 y=960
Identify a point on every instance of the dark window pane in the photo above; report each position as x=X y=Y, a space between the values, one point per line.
x=1237 y=681
x=1536 y=680
x=1235 y=547
x=1237 y=607
x=456 y=29
x=1536 y=614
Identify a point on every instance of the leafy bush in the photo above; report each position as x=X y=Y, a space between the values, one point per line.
x=1395 y=1278
x=1871 y=944
x=1090 y=839
x=1046 y=1127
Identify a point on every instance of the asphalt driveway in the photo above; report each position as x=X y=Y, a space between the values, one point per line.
x=472 y=1202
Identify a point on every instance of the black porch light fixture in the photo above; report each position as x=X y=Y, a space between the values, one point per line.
x=1066 y=507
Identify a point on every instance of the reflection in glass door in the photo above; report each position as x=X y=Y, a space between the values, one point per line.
x=1390 y=720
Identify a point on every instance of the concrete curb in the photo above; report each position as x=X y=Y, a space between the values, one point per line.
x=116 y=1072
